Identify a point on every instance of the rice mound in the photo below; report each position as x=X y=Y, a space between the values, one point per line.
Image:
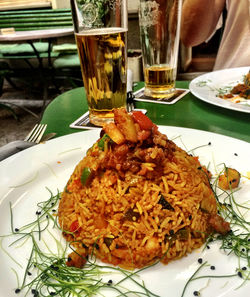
x=137 y=203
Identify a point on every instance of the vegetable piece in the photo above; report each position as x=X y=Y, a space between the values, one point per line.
x=144 y=122
x=229 y=179
x=152 y=245
x=74 y=226
x=86 y=176
x=165 y=204
x=114 y=133
x=125 y=124
x=101 y=142
x=131 y=215
x=182 y=234
x=208 y=204
x=108 y=241
x=219 y=224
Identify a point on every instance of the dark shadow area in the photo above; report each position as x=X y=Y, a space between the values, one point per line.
x=22 y=102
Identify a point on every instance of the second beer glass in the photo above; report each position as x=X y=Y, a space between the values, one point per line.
x=101 y=35
x=160 y=33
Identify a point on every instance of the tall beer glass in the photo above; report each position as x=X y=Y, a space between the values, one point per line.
x=101 y=35
x=159 y=22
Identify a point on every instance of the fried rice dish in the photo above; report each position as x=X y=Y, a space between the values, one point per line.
x=137 y=198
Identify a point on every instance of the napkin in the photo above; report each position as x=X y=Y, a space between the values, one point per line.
x=13 y=148
x=129 y=80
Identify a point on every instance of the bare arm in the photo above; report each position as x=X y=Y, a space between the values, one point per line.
x=199 y=19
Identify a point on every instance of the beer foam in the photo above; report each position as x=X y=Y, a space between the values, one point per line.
x=102 y=31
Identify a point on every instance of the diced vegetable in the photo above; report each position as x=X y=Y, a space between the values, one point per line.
x=144 y=122
x=114 y=133
x=125 y=124
x=208 y=204
x=74 y=226
x=86 y=175
x=131 y=215
x=108 y=241
x=182 y=234
x=229 y=179
x=101 y=142
x=165 y=204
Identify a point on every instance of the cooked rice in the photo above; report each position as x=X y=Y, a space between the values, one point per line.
x=153 y=203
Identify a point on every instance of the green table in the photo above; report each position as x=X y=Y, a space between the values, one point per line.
x=189 y=112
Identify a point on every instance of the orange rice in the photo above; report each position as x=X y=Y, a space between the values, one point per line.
x=142 y=202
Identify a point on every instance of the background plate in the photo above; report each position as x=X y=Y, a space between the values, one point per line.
x=207 y=86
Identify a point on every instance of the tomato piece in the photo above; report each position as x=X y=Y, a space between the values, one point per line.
x=144 y=122
x=74 y=226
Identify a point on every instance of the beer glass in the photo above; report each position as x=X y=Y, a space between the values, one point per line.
x=100 y=28
x=159 y=22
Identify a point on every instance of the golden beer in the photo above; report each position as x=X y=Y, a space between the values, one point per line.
x=102 y=54
x=159 y=81
x=159 y=22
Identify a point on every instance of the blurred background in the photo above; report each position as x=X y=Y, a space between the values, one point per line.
x=25 y=89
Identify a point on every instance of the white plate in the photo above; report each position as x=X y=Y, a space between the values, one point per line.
x=207 y=87
x=25 y=176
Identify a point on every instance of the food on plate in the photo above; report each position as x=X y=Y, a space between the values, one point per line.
x=242 y=90
x=137 y=198
x=230 y=179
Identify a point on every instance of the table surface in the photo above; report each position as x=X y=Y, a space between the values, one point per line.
x=188 y=112
x=37 y=34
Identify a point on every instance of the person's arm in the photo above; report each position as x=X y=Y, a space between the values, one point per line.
x=199 y=19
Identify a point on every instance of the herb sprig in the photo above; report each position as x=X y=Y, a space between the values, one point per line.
x=46 y=272
x=236 y=242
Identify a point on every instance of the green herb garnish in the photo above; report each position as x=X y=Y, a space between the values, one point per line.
x=46 y=272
